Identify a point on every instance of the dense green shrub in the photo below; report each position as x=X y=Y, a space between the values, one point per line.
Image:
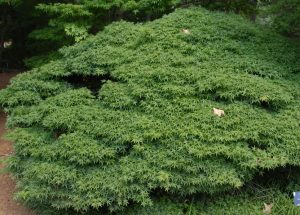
x=247 y=202
x=129 y=112
x=273 y=188
x=74 y=20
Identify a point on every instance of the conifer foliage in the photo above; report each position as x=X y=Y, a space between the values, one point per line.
x=130 y=111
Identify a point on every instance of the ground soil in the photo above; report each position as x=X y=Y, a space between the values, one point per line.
x=7 y=185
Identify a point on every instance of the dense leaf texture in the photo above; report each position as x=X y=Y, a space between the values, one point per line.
x=230 y=204
x=285 y=16
x=149 y=124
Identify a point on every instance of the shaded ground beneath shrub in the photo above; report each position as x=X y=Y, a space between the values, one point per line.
x=7 y=186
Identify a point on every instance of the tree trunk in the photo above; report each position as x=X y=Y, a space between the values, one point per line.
x=253 y=14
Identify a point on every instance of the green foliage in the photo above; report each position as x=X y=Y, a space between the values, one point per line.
x=73 y=21
x=10 y=2
x=246 y=202
x=129 y=111
x=284 y=16
x=39 y=60
x=244 y=7
x=38 y=28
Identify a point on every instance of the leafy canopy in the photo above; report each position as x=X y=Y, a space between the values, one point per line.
x=129 y=111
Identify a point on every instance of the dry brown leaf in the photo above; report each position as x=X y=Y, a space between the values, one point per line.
x=267 y=208
x=186 y=31
x=218 y=112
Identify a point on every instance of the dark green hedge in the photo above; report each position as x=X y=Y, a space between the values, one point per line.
x=129 y=112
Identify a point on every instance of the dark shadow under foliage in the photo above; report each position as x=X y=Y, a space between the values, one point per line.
x=92 y=82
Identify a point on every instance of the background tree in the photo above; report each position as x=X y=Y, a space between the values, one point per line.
x=283 y=16
x=18 y=19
